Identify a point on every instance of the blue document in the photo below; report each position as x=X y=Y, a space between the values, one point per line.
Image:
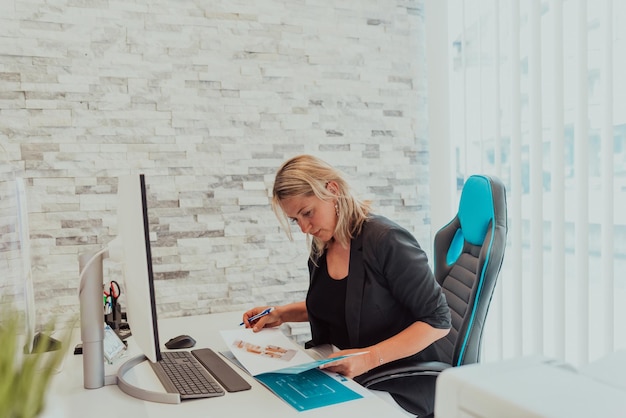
x=307 y=390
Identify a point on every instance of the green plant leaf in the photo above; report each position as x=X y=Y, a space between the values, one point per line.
x=25 y=377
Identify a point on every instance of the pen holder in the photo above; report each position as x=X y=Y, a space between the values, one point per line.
x=114 y=319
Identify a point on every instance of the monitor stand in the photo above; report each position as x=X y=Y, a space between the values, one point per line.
x=140 y=393
x=92 y=335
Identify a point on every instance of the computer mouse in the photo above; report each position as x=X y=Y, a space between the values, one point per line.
x=181 y=341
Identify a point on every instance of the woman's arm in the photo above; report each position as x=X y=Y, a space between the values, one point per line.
x=406 y=343
x=293 y=312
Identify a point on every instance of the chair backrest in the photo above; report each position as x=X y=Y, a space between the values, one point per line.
x=468 y=254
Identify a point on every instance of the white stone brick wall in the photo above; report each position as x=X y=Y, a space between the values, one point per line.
x=207 y=99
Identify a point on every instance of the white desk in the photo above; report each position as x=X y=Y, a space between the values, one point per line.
x=69 y=399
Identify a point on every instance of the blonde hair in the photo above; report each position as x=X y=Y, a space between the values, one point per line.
x=306 y=175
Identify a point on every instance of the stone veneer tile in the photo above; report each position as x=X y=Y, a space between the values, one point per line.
x=207 y=101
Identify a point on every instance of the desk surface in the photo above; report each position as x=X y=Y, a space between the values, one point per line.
x=69 y=399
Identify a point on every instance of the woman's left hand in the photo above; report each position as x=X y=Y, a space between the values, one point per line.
x=352 y=366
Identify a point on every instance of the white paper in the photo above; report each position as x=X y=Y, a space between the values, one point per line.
x=257 y=363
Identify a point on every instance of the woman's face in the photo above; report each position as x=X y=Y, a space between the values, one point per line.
x=313 y=215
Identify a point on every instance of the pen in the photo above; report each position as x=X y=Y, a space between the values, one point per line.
x=259 y=315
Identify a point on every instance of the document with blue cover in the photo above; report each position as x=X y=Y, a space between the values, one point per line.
x=279 y=364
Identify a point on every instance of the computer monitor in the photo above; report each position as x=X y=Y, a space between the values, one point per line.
x=131 y=248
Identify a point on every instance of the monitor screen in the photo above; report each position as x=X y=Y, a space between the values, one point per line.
x=131 y=249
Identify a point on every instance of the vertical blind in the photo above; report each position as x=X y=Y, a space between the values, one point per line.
x=537 y=97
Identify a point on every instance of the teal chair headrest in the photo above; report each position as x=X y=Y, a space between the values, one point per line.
x=476 y=209
x=475 y=212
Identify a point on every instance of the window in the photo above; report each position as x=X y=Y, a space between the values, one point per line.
x=537 y=97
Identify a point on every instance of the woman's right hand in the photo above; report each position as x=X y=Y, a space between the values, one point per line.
x=272 y=319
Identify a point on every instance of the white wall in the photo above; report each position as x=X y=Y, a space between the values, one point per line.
x=206 y=99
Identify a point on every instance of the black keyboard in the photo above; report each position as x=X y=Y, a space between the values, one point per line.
x=180 y=372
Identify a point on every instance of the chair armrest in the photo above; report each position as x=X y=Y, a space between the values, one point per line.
x=397 y=370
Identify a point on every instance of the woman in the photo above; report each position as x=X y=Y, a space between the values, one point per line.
x=371 y=288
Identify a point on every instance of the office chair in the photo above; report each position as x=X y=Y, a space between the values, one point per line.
x=468 y=254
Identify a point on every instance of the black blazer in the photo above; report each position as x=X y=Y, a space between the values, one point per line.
x=390 y=286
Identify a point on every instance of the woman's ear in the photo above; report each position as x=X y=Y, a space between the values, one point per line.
x=332 y=187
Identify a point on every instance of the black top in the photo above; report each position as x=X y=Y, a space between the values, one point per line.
x=327 y=305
